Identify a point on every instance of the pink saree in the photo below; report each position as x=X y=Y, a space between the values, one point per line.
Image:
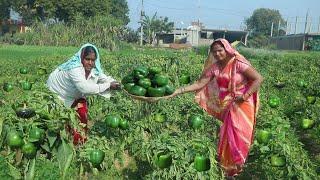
x=217 y=98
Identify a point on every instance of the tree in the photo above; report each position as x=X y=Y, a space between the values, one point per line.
x=261 y=20
x=154 y=25
x=120 y=10
x=4 y=9
x=30 y=10
x=129 y=35
x=65 y=10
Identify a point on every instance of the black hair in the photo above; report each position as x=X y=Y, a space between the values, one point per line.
x=87 y=50
x=217 y=42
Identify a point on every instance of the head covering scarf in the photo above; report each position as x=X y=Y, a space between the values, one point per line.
x=75 y=61
x=236 y=132
x=229 y=50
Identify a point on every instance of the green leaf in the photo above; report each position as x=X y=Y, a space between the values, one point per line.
x=264 y=149
x=46 y=147
x=64 y=156
x=52 y=137
x=14 y=172
x=31 y=169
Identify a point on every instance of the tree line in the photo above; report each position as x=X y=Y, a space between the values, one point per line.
x=64 y=10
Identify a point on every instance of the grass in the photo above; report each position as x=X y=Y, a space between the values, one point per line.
x=15 y=52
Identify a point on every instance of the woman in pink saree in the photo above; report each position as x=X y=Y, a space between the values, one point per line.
x=228 y=90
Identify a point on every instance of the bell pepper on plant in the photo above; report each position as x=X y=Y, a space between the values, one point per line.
x=36 y=134
x=14 y=140
x=274 y=102
x=96 y=157
x=23 y=70
x=29 y=150
x=123 y=124
x=112 y=121
x=7 y=87
x=25 y=85
x=307 y=123
x=263 y=136
x=278 y=161
x=164 y=160
x=195 y=121
x=201 y=163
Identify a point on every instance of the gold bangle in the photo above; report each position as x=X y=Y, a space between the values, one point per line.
x=246 y=96
x=181 y=90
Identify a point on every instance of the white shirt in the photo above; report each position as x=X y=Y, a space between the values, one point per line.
x=72 y=84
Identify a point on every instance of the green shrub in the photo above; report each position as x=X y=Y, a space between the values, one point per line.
x=103 y=31
x=313 y=45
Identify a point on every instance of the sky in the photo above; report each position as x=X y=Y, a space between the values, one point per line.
x=226 y=14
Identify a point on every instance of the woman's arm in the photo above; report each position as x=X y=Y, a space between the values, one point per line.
x=252 y=75
x=108 y=79
x=193 y=87
x=84 y=86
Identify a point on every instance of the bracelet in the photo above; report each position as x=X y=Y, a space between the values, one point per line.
x=182 y=89
x=246 y=96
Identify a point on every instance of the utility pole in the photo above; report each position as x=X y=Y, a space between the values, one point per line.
x=310 y=25
x=287 y=26
x=199 y=13
x=271 y=29
x=319 y=26
x=306 y=23
x=174 y=32
x=289 y=31
x=199 y=26
x=295 y=25
x=279 y=27
x=141 y=20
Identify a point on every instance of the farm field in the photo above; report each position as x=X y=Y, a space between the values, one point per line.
x=159 y=141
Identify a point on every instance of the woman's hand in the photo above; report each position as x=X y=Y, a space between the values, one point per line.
x=239 y=99
x=115 y=85
x=175 y=93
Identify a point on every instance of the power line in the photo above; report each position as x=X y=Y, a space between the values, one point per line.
x=170 y=8
x=229 y=11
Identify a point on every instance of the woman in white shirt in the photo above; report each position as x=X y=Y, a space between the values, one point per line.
x=81 y=75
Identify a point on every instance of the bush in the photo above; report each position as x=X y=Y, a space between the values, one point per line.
x=130 y=36
x=258 y=41
x=313 y=45
x=202 y=50
x=103 y=31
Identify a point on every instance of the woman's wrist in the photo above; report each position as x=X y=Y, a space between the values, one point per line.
x=246 y=96
x=182 y=90
x=178 y=91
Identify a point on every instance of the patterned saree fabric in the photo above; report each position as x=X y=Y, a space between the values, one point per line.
x=217 y=98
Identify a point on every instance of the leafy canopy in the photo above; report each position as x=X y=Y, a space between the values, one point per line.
x=153 y=25
x=261 y=20
x=64 y=10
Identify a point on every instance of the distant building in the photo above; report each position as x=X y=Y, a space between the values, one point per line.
x=294 y=41
x=12 y=25
x=198 y=35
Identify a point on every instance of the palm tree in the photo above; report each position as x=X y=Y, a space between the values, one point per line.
x=154 y=25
